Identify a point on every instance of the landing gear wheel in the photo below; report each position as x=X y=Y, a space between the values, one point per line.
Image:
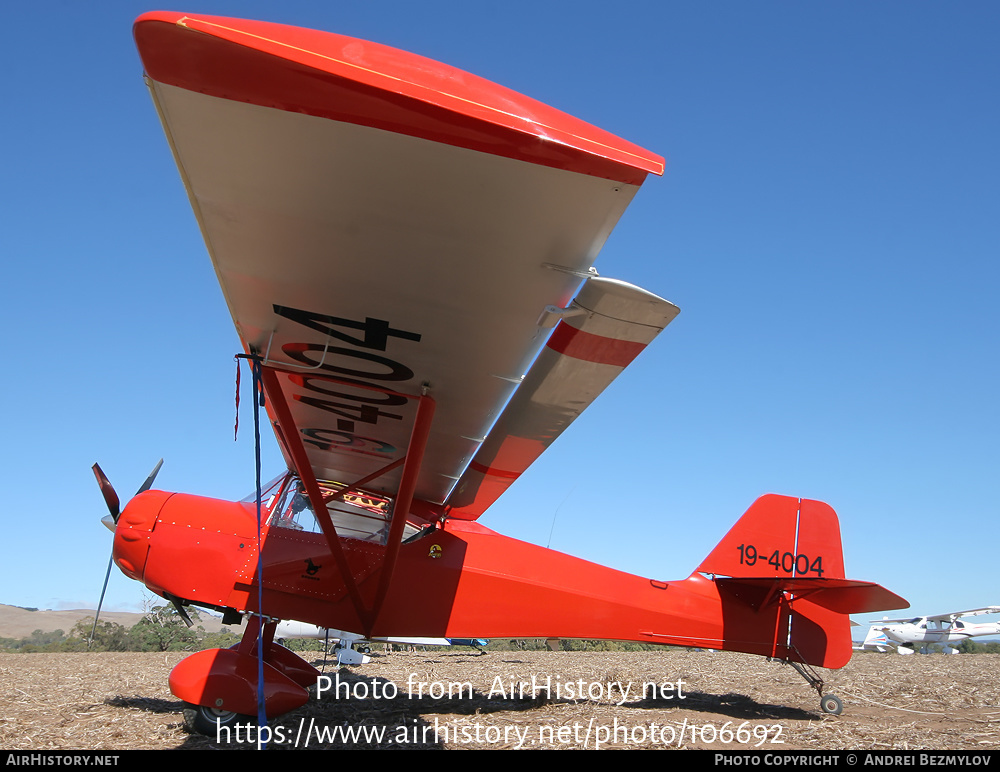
x=830 y=703
x=208 y=721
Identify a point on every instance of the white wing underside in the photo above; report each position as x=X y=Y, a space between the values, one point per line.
x=384 y=260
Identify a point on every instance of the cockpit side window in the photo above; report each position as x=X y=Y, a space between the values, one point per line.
x=358 y=514
x=294 y=510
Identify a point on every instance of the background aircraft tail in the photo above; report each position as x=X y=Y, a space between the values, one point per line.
x=877 y=640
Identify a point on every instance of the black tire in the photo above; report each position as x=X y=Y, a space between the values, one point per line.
x=208 y=721
x=830 y=703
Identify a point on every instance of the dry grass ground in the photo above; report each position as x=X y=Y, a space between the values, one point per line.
x=121 y=701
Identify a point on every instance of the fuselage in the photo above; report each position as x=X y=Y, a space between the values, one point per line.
x=922 y=630
x=452 y=579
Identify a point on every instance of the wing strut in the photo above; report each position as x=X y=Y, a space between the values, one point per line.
x=411 y=462
x=401 y=506
x=298 y=453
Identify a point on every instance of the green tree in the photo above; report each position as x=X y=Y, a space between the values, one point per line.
x=163 y=629
x=967 y=646
x=108 y=636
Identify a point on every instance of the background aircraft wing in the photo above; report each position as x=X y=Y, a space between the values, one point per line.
x=972 y=613
x=383 y=226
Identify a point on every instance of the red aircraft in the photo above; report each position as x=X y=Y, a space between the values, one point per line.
x=398 y=241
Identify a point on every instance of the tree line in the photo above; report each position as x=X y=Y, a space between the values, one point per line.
x=160 y=629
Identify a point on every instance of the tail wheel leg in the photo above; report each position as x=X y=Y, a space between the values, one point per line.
x=828 y=703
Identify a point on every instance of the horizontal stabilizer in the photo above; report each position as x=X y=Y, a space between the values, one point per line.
x=845 y=596
x=608 y=324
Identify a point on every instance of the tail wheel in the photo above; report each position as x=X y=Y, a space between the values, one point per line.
x=830 y=703
x=208 y=721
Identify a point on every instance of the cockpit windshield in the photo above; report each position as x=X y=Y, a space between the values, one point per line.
x=268 y=493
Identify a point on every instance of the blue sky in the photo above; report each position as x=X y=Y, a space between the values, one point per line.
x=828 y=224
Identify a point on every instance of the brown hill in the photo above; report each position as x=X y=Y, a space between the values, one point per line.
x=17 y=622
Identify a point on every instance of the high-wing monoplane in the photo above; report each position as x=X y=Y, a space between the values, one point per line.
x=406 y=251
x=918 y=633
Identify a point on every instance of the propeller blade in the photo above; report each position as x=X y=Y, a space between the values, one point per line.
x=111 y=521
x=110 y=497
x=100 y=603
x=149 y=480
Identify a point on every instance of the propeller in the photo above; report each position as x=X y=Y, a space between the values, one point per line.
x=111 y=521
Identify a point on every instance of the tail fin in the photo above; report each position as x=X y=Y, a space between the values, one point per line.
x=780 y=575
x=780 y=536
x=876 y=639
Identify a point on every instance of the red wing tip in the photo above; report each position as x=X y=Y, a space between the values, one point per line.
x=410 y=75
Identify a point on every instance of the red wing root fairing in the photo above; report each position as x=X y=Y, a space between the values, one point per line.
x=407 y=250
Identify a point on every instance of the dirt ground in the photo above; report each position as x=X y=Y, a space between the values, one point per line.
x=703 y=700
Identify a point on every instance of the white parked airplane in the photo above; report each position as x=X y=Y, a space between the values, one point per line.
x=909 y=635
x=347 y=654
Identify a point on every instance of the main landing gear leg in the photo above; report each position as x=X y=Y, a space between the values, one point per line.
x=828 y=703
x=220 y=685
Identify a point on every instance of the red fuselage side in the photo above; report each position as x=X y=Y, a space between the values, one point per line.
x=461 y=580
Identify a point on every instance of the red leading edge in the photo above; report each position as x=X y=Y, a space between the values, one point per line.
x=407 y=249
x=345 y=79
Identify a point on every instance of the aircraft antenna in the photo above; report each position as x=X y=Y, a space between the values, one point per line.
x=555 y=514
